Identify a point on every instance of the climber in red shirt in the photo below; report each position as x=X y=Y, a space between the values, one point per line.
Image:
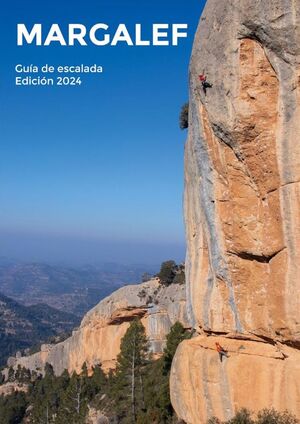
x=222 y=352
x=204 y=82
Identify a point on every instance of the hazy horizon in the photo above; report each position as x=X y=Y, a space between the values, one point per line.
x=74 y=251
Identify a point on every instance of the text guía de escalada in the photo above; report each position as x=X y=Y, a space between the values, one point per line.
x=45 y=75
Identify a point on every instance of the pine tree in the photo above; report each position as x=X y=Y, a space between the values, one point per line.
x=84 y=370
x=25 y=375
x=18 y=373
x=128 y=386
x=22 y=375
x=45 y=398
x=63 y=380
x=157 y=390
x=98 y=380
x=13 y=408
x=11 y=375
x=49 y=372
x=2 y=378
x=74 y=405
x=176 y=335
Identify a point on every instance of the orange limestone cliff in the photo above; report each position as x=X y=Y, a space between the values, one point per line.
x=242 y=212
x=97 y=340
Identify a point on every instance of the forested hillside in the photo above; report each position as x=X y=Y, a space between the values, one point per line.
x=23 y=327
x=136 y=392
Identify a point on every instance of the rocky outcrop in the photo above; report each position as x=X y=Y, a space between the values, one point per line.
x=242 y=203
x=96 y=417
x=12 y=387
x=97 y=341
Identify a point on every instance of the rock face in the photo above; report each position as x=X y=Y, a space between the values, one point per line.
x=242 y=208
x=98 y=338
x=256 y=375
x=96 y=417
x=10 y=388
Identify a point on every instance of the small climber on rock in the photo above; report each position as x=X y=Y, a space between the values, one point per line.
x=222 y=352
x=205 y=84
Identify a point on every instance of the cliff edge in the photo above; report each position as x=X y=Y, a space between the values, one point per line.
x=97 y=341
x=242 y=213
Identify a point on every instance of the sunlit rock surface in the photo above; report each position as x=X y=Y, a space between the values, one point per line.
x=255 y=376
x=242 y=203
x=97 y=341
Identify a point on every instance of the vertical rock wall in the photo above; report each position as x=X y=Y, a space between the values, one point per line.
x=242 y=181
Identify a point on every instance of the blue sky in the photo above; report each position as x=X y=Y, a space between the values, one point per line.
x=83 y=168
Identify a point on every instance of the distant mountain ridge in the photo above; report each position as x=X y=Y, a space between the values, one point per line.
x=74 y=290
x=23 y=327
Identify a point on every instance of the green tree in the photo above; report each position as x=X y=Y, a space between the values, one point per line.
x=18 y=373
x=84 y=371
x=11 y=375
x=74 y=404
x=49 y=371
x=128 y=385
x=91 y=385
x=22 y=375
x=98 y=380
x=157 y=390
x=13 y=408
x=2 y=378
x=45 y=397
x=167 y=272
x=176 y=335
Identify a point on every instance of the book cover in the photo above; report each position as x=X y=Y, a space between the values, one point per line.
x=149 y=253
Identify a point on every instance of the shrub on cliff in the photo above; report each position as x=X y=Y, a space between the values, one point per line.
x=271 y=416
x=22 y=374
x=167 y=272
x=184 y=117
x=242 y=417
x=266 y=416
x=171 y=273
x=180 y=275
